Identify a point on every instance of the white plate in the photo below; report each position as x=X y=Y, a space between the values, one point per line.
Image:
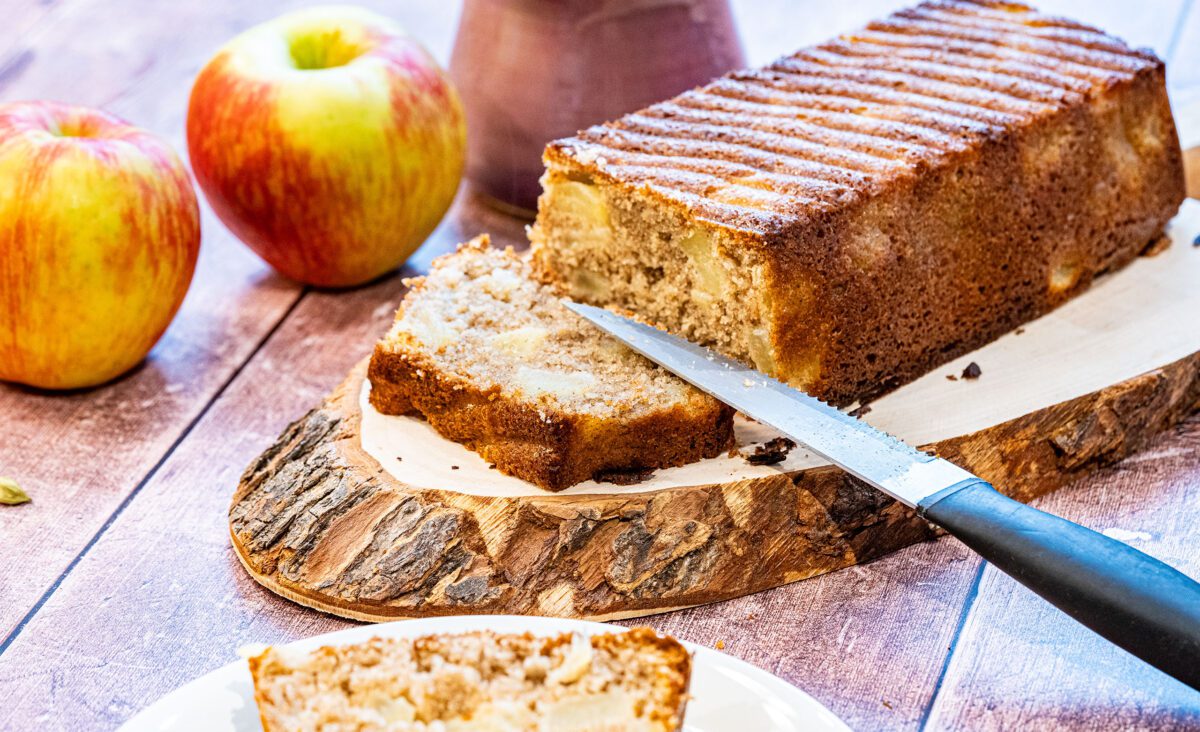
x=727 y=694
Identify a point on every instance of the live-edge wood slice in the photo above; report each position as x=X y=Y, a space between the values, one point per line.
x=376 y=518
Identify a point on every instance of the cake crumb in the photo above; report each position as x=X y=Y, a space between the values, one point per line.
x=771 y=452
x=972 y=371
x=1158 y=246
x=1019 y=331
x=454 y=467
x=477 y=680
x=951 y=377
x=887 y=704
x=720 y=645
x=628 y=476
x=860 y=411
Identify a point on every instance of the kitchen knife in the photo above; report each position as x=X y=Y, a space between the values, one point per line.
x=1130 y=598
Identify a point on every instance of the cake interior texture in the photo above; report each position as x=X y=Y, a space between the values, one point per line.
x=852 y=215
x=634 y=681
x=492 y=358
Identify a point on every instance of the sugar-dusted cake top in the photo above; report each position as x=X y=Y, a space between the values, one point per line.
x=762 y=149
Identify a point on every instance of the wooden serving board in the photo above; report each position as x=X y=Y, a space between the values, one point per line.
x=375 y=517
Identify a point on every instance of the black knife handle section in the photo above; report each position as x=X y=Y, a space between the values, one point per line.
x=1130 y=598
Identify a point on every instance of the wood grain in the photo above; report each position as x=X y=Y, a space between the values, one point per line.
x=1021 y=662
x=869 y=642
x=80 y=455
x=158 y=599
x=371 y=517
x=318 y=520
x=146 y=609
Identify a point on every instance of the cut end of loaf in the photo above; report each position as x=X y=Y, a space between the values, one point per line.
x=635 y=681
x=608 y=245
x=493 y=359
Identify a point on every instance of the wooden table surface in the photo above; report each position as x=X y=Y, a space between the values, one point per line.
x=117 y=583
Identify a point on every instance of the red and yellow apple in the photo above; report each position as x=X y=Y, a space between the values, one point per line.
x=328 y=141
x=99 y=234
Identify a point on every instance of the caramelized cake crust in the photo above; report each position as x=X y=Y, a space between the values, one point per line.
x=852 y=215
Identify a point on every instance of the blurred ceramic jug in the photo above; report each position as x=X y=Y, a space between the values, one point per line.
x=530 y=71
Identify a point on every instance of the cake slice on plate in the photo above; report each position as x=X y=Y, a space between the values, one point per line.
x=634 y=681
x=494 y=360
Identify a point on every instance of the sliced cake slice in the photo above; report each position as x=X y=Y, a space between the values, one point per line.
x=494 y=360
x=634 y=681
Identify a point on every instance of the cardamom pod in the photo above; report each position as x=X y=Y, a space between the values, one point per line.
x=11 y=493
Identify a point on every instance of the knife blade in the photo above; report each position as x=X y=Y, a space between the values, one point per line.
x=875 y=457
x=1134 y=600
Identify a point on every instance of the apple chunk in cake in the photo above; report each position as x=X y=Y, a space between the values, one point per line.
x=494 y=360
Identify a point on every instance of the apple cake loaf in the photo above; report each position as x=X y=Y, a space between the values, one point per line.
x=851 y=216
x=492 y=358
x=634 y=681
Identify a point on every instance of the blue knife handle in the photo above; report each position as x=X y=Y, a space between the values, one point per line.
x=1130 y=598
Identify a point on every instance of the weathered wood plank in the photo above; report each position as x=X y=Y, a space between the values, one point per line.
x=161 y=590
x=146 y=610
x=868 y=642
x=80 y=455
x=1020 y=662
x=1043 y=414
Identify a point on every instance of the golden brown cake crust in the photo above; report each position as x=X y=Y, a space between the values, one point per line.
x=906 y=192
x=922 y=89
x=552 y=448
